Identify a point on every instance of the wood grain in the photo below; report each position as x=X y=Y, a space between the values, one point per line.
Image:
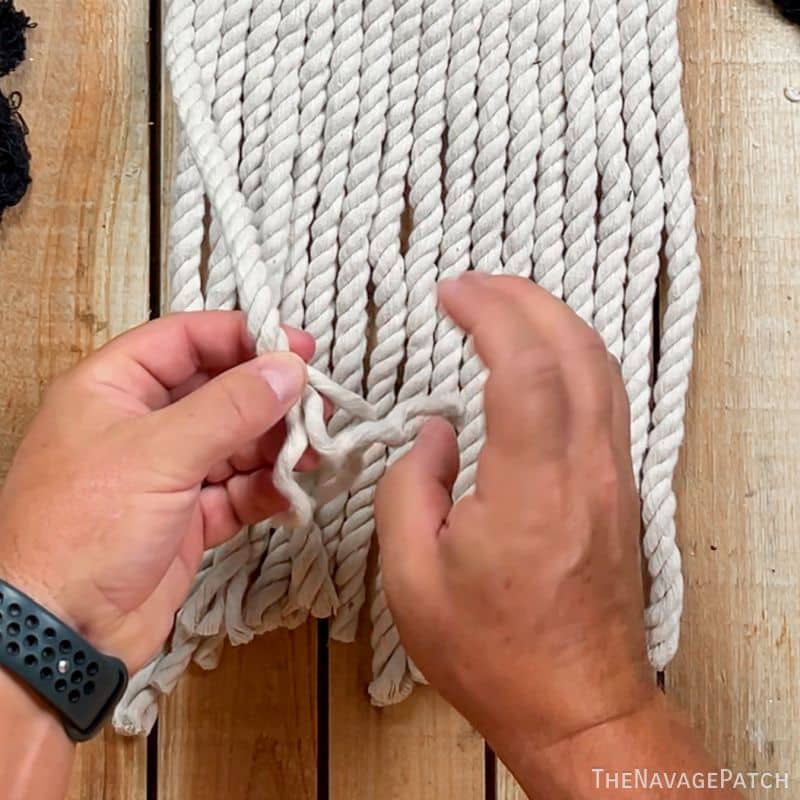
x=247 y=730
x=418 y=750
x=738 y=486
x=73 y=256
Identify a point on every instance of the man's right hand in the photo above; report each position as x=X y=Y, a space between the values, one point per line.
x=523 y=603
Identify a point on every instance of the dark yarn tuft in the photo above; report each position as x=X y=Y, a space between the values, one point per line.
x=15 y=158
x=13 y=24
x=790 y=9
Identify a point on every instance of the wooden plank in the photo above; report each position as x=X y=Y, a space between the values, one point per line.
x=738 y=490
x=247 y=729
x=420 y=749
x=507 y=786
x=74 y=254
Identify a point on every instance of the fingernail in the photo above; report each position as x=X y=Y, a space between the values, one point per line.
x=286 y=375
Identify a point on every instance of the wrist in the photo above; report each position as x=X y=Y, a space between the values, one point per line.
x=655 y=738
x=31 y=735
x=567 y=769
x=24 y=709
x=45 y=594
x=58 y=600
x=106 y=628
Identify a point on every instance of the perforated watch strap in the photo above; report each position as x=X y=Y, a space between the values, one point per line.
x=82 y=684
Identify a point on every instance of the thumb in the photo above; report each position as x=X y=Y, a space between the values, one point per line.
x=415 y=497
x=213 y=422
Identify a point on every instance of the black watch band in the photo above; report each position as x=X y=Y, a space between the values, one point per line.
x=82 y=684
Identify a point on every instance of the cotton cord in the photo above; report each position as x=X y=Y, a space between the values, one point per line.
x=335 y=160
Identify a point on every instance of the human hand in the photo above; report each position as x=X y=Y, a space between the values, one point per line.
x=151 y=450
x=523 y=603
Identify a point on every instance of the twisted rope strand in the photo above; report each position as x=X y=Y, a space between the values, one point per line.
x=488 y=211
x=614 y=224
x=264 y=598
x=580 y=204
x=526 y=133
x=360 y=205
x=227 y=111
x=390 y=300
x=647 y=222
x=540 y=138
x=674 y=365
x=203 y=25
x=548 y=227
x=390 y=678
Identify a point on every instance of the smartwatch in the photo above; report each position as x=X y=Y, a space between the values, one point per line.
x=80 y=683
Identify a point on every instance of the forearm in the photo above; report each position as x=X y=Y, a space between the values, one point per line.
x=657 y=742
x=35 y=754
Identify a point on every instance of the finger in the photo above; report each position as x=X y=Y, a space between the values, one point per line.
x=191 y=436
x=498 y=326
x=243 y=500
x=527 y=424
x=264 y=451
x=260 y=453
x=525 y=398
x=551 y=317
x=580 y=350
x=415 y=497
x=300 y=343
x=620 y=416
x=159 y=356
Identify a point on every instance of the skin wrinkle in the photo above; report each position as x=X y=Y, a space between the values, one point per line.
x=575 y=184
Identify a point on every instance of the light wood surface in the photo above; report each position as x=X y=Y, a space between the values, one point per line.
x=74 y=255
x=739 y=482
x=418 y=750
x=246 y=731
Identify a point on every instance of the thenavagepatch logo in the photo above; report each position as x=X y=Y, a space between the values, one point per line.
x=638 y=779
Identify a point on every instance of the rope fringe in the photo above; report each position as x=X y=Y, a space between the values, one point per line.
x=542 y=138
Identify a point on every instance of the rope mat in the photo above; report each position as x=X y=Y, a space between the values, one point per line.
x=351 y=154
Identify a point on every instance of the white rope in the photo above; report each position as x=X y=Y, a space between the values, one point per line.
x=350 y=154
x=614 y=225
x=647 y=221
x=389 y=298
x=488 y=210
x=548 y=226
x=580 y=199
x=390 y=664
x=204 y=24
x=360 y=206
x=675 y=362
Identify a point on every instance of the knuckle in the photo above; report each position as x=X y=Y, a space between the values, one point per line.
x=606 y=480
x=588 y=340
